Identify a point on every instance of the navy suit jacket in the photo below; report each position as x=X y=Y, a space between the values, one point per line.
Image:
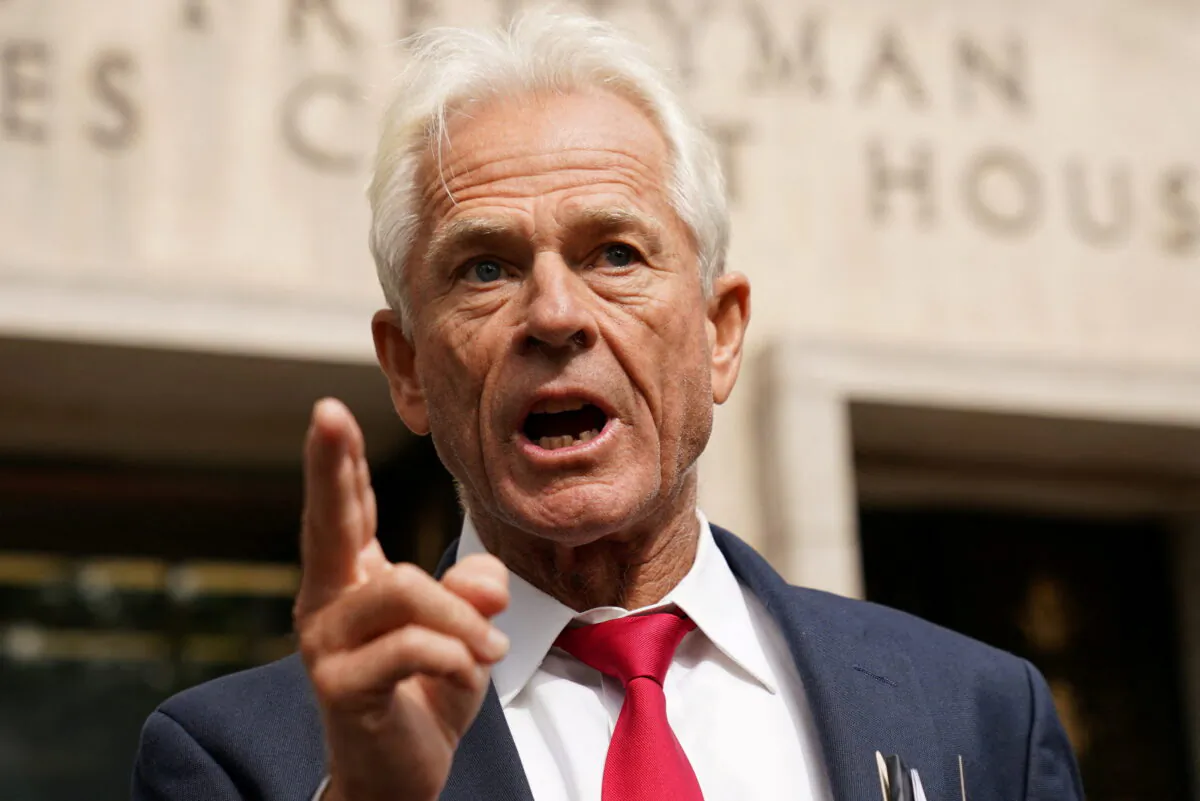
x=876 y=679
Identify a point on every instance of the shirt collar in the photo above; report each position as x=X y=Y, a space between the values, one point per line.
x=709 y=594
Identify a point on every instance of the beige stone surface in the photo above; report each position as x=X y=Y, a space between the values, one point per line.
x=1000 y=178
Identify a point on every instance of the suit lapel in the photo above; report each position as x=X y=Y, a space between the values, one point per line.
x=860 y=684
x=486 y=764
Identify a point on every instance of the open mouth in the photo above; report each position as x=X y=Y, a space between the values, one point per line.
x=563 y=422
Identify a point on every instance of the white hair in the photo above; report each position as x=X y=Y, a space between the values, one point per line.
x=540 y=51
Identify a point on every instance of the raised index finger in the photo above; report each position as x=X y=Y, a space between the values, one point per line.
x=339 y=506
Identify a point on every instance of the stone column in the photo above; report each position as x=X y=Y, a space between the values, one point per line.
x=807 y=479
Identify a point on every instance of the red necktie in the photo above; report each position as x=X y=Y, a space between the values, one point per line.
x=645 y=762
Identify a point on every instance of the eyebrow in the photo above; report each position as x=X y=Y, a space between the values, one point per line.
x=615 y=220
x=467 y=233
x=481 y=232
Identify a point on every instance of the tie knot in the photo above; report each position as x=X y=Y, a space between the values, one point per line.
x=637 y=646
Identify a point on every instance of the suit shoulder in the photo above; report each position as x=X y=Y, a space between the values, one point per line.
x=936 y=652
x=278 y=693
x=253 y=734
x=854 y=622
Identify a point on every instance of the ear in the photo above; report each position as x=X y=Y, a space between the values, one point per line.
x=728 y=316
x=398 y=361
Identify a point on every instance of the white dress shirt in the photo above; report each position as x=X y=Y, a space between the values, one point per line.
x=734 y=698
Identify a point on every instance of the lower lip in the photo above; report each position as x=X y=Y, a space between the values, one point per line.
x=534 y=451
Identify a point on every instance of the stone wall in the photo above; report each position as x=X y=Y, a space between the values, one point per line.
x=1011 y=179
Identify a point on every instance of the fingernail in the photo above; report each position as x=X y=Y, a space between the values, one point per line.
x=496 y=643
x=490 y=586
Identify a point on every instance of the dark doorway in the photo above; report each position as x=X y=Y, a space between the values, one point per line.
x=1089 y=602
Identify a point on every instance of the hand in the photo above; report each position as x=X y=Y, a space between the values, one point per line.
x=399 y=661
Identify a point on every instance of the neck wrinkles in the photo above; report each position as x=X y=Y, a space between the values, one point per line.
x=628 y=569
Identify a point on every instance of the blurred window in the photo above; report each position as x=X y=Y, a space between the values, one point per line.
x=121 y=585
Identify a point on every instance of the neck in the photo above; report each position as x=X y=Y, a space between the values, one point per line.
x=630 y=569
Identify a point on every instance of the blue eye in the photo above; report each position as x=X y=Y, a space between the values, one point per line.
x=487 y=271
x=619 y=255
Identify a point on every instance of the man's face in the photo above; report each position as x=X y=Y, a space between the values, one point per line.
x=562 y=349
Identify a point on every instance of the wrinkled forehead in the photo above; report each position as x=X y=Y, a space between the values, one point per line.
x=493 y=145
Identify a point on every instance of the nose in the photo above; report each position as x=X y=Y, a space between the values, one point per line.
x=558 y=316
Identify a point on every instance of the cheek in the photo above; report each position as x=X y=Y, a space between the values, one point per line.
x=448 y=368
x=692 y=417
x=663 y=347
x=454 y=363
x=693 y=387
x=456 y=353
x=685 y=381
x=453 y=409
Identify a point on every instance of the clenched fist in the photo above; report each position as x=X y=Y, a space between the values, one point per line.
x=399 y=660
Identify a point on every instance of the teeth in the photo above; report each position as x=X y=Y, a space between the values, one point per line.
x=556 y=405
x=566 y=440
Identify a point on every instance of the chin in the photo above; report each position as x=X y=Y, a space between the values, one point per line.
x=576 y=515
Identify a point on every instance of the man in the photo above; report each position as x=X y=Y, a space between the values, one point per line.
x=550 y=232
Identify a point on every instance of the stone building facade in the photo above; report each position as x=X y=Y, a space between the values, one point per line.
x=972 y=230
